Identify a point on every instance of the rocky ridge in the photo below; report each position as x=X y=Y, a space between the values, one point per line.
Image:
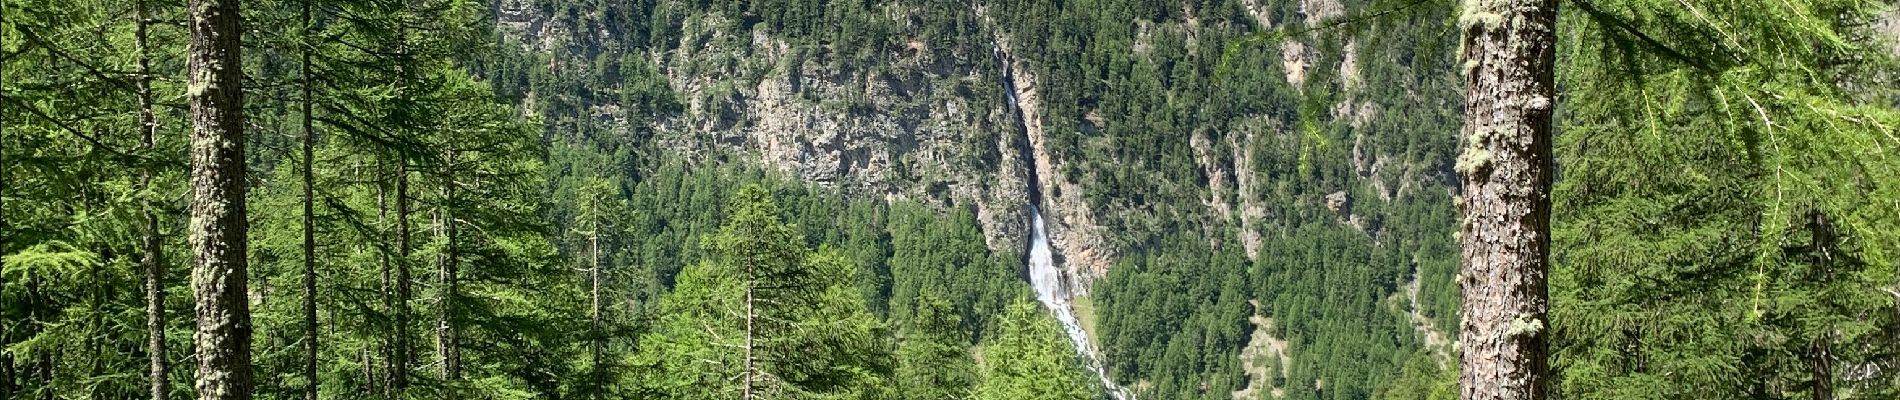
x=926 y=124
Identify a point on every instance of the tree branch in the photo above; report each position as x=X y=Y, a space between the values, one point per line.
x=1617 y=22
x=66 y=126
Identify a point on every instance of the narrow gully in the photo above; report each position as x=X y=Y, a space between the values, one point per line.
x=1051 y=287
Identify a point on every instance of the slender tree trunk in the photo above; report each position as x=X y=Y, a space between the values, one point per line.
x=6 y=359
x=746 y=392
x=447 y=339
x=218 y=236
x=404 y=286
x=6 y=376
x=46 y=370
x=369 y=371
x=93 y=350
x=399 y=380
x=388 y=286
x=1821 y=363
x=309 y=219
x=1506 y=167
x=30 y=368
x=154 y=259
x=1821 y=349
x=594 y=328
x=153 y=264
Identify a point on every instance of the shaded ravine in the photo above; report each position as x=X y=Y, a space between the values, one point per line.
x=1052 y=289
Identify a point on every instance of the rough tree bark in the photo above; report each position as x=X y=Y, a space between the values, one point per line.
x=154 y=259
x=217 y=227
x=1506 y=181
x=309 y=217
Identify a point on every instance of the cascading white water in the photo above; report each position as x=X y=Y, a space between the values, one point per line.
x=1047 y=280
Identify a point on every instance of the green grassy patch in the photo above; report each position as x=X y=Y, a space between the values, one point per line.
x=1084 y=309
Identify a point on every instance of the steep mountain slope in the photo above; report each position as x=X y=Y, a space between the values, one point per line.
x=1191 y=158
x=914 y=118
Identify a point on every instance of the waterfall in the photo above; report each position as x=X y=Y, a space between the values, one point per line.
x=1051 y=288
x=1047 y=280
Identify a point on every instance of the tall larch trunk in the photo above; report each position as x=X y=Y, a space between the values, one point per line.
x=6 y=376
x=218 y=236
x=404 y=355
x=1821 y=348
x=388 y=285
x=369 y=371
x=1821 y=362
x=1506 y=181
x=388 y=289
x=594 y=337
x=46 y=370
x=309 y=217
x=447 y=345
x=399 y=368
x=746 y=391
x=6 y=359
x=152 y=263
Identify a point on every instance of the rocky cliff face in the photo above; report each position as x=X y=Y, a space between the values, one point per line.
x=928 y=124
x=934 y=122
x=924 y=127
x=1073 y=231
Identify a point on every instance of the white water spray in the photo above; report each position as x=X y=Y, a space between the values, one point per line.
x=1053 y=293
x=1048 y=282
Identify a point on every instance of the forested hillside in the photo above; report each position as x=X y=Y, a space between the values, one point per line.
x=823 y=199
x=1188 y=172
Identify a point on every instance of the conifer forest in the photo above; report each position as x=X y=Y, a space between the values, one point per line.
x=950 y=199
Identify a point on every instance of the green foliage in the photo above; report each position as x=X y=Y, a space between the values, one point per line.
x=1150 y=79
x=1124 y=85
x=1725 y=220
x=1029 y=359
x=1423 y=380
x=931 y=259
x=70 y=199
x=933 y=356
x=1177 y=352
x=1723 y=217
x=764 y=295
